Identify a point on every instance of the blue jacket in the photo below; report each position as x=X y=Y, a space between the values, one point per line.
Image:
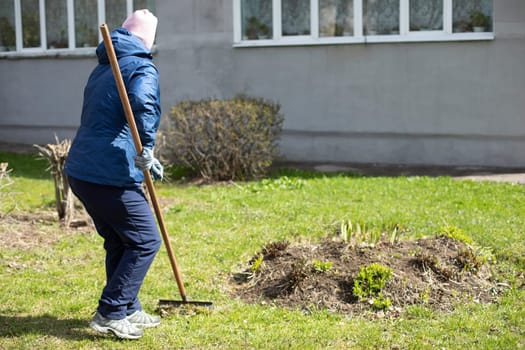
x=102 y=151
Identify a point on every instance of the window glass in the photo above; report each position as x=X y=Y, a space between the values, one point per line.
x=86 y=23
x=30 y=23
x=336 y=17
x=256 y=19
x=7 y=26
x=472 y=16
x=115 y=13
x=295 y=17
x=381 y=17
x=426 y=15
x=56 y=24
x=143 y=4
x=58 y=33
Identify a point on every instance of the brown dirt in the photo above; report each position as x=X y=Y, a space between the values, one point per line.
x=27 y=230
x=436 y=272
x=39 y=229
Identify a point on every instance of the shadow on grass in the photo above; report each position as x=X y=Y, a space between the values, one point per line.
x=185 y=175
x=316 y=170
x=306 y=174
x=312 y=170
x=25 y=165
x=46 y=325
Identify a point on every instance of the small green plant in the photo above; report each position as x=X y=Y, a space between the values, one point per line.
x=264 y=30
x=255 y=29
x=252 y=27
x=257 y=264
x=369 y=284
x=454 y=232
x=425 y=295
x=394 y=231
x=322 y=266
x=345 y=230
x=472 y=258
x=282 y=183
x=381 y=302
x=479 y=19
x=8 y=33
x=358 y=234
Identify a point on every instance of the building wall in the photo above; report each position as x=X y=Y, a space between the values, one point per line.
x=441 y=103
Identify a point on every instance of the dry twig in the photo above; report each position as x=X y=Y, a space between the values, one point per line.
x=5 y=180
x=56 y=155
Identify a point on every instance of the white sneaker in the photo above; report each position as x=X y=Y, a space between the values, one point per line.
x=141 y=319
x=120 y=328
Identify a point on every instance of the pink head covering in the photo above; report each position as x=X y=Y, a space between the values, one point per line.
x=143 y=24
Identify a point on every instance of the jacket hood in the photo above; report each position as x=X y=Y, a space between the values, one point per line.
x=125 y=44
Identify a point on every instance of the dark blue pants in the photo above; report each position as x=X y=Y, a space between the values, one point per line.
x=124 y=219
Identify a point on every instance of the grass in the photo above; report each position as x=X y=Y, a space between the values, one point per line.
x=49 y=292
x=32 y=188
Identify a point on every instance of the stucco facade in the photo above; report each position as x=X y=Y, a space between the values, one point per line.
x=434 y=103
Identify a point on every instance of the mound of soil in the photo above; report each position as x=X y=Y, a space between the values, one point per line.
x=437 y=272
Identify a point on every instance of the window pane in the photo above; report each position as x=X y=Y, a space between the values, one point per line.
x=472 y=16
x=336 y=17
x=295 y=17
x=30 y=23
x=143 y=4
x=256 y=19
x=86 y=23
x=381 y=17
x=56 y=24
x=426 y=15
x=7 y=26
x=115 y=13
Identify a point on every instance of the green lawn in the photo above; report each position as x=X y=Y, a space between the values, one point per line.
x=49 y=291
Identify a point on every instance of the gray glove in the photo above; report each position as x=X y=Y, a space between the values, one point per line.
x=146 y=161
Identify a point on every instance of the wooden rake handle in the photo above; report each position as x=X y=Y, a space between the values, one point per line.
x=138 y=145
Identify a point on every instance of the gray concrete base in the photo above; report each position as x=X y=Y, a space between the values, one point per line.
x=390 y=148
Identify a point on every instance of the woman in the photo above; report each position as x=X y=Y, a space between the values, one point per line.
x=105 y=173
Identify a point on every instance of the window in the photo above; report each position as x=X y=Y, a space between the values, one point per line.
x=426 y=15
x=305 y=22
x=336 y=18
x=381 y=17
x=295 y=17
x=472 y=16
x=257 y=19
x=50 y=25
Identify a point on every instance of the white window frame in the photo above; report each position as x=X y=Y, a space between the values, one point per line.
x=405 y=35
x=42 y=50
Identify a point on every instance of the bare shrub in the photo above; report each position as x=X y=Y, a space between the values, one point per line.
x=56 y=155
x=222 y=139
x=5 y=180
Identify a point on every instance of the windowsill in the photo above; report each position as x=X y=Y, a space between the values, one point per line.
x=84 y=52
x=53 y=53
x=411 y=37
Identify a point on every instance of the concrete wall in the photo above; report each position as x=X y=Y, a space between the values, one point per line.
x=441 y=103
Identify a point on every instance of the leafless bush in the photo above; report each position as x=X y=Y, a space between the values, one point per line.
x=56 y=155
x=5 y=180
x=222 y=140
